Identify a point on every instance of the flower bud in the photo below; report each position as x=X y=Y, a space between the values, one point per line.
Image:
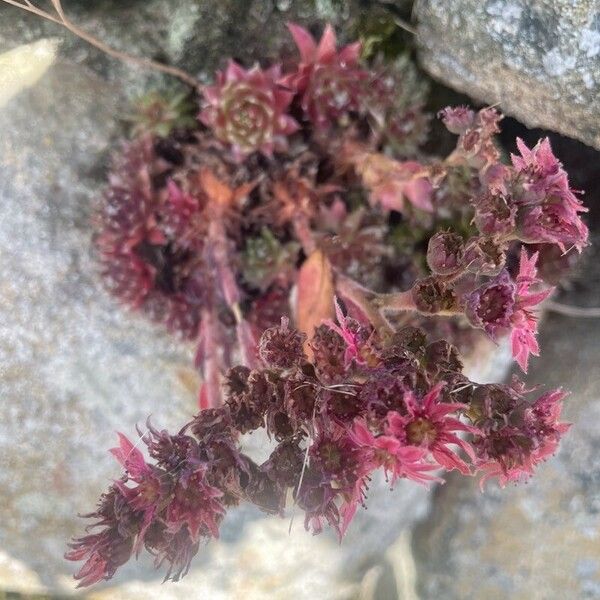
x=445 y=253
x=491 y=306
x=281 y=347
x=484 y=256
x=457 y=119
x=432 y=295
x=328 y=348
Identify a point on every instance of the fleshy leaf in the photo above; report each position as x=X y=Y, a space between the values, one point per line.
x=315 y=294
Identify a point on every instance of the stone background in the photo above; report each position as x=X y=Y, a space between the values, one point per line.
x=539 y=60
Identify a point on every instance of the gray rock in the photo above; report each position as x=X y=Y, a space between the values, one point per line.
x=538 y=541
x=74 y=368
x=540 y=61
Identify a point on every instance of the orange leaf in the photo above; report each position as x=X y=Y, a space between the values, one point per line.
x=315 y=294
x=219 y=192
x=215 y=189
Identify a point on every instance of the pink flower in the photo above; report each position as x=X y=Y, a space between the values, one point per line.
x=247 y=109
x=398 y=459
x=512 y=452
x=550 y=209
x=543 y=174
x=195 y=504
x=543 y=419
x=524 y=322
x=130 y=458
x=428 y=425
x=336 y=460
x=329 y=81
x=503 y=305
x=318 y=500
x=491 y=306
x=149 y=491
x=105 y=551
x=552 y=223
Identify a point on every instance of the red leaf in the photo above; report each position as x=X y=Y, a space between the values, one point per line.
x=305 y=42
x=315 y=294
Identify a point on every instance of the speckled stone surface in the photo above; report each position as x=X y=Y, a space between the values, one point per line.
x=540 y=61
x=73 y=366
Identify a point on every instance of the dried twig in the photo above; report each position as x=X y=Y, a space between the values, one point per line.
x=60 y=18
x=572 y=311
x=404 y=25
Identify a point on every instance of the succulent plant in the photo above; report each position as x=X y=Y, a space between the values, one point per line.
x=161 y=113
x=247 y=109
x=302 y=206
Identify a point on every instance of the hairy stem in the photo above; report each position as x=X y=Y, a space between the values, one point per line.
x=395 y=302
x=303 y=233
x=363 y=299
x=376 y=306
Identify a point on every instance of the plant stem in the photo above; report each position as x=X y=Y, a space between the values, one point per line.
x=358 y=295
x=375 y=306
x=395 y=302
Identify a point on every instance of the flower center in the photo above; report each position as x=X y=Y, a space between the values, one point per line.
x=494 y=305
x=421 y=431
x=330 y=456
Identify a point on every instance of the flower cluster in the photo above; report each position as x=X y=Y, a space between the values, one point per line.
x=363 y=403
x=203 y=228
x=473 y=271
x=206 y=230
x=299 y=192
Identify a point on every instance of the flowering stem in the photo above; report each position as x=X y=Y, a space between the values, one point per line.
x=63 y=20
x=217 y=238
x=375 y=306
x=358 y=295
x=395 y=302
x=303 y=233
x=210 y=355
